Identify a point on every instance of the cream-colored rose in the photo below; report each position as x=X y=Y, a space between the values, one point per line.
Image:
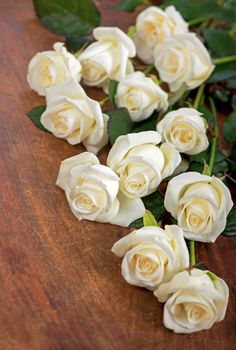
x=153 y=26
x=151 y=255
x=73 y=116
x=194 y=301
x=140 y=164
x=141 y=96
x=49 y=68
x=107 y=58
x=92 y=191
x=183 y=60
x=200 y=204
x=185 y=129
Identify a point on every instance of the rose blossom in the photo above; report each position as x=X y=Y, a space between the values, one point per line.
x=185 y=129
x=49 y=68
x=92 y=191
x=194 y=301
x=141 y=164
x=200 y=204
x=151 y=255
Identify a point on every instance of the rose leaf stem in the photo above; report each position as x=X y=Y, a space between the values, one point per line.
x=198 y=96
x=215 y=137
x=148 y=69
x=226 y=59
x=105 y=100
x=192 y=253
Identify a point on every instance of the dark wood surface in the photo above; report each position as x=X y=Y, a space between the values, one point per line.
x=60 y=286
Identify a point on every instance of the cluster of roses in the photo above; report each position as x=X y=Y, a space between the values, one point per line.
x=155 y=258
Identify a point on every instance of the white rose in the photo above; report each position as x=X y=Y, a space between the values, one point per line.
x=193 y=301
x=183 y=59
x=108 y=58
x=185 y=129
x=73 y=116
x=200 y=204
x=92 y=191
x=49 y=68
x=140 y=164
x=151 y=255
x=140 y=95
x=153 y=26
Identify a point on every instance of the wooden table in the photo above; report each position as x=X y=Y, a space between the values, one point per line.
x=60 y=286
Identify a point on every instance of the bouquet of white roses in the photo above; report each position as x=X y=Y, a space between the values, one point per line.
x=165 y=173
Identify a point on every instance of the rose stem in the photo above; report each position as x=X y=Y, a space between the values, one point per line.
x=198 y=96
x=226 y=59
x=192 y=253
x=215 y=137
x=198 y=20
x=105 y=100
x=196 y=104
x=148 y=69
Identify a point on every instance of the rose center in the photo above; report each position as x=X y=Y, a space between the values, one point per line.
x=146 y=265
x=135 y=184
x=195 y=220
x=92 y=72
x=61 y=125
x=83 y=201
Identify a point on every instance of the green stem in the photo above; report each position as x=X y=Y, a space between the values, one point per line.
x=198 y=20
x=215 y=137
x=226 y=59
x=192 y=253
x=205 y=24
x=198 y=96
x=105 y=100
x=148 y=69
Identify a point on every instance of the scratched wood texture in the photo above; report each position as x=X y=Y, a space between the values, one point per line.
x=60 y=286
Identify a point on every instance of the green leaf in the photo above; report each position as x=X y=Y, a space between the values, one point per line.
x=223 y=10
x=194 y=9
x=35 y=115
x=155 y=204
x=112 y=91
x=220 y=167
x=229 y=128
x=74 y=43
x=129 y=5
x=146 y=125
x=200 y=157
x=119 y=124
x=230 y=229
x=68 y=17
x=148 y=219
x=227 y=11
x=138 y=223
x=232 y=160
x=220 y=42
x=206 y=114
x=198 y=161
x=196 y=166
x=223 y=72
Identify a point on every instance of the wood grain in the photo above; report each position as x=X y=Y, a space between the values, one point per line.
x=60 y=286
